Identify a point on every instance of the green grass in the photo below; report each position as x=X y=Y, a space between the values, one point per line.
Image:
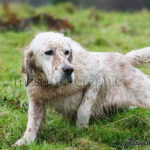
x=96 y=31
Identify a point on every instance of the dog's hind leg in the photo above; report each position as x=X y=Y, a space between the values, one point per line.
x=139 y=92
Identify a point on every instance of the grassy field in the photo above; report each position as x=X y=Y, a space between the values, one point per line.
x=96 y=31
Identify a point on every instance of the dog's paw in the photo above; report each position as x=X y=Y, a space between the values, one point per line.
x=21 y=142
x=81 y=124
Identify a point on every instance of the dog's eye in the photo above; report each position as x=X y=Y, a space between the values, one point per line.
x=66 y=52
x=50 y=52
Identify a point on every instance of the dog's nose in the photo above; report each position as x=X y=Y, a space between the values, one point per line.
x=68 y=70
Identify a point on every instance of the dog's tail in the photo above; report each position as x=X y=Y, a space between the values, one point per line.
x=138 y=57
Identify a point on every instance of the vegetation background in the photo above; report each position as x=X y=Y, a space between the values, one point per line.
x=97 y=31
x=129 y=5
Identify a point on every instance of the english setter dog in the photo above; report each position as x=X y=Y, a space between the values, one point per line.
x=78 y=83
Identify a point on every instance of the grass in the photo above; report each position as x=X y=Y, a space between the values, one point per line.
x=96 y=31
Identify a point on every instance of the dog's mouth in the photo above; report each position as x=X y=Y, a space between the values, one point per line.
x=67 y=79
x=64 y=79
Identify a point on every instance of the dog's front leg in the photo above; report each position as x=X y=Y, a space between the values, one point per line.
x=84 y=111
x=35 y=115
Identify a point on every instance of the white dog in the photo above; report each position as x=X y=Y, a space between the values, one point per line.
x=78 y=83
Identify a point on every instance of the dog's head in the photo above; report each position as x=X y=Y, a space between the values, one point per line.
x=52 y=54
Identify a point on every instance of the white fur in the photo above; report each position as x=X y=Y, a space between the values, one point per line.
x=140 y=56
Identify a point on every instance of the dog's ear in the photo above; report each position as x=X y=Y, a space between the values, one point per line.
x=27 y=67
